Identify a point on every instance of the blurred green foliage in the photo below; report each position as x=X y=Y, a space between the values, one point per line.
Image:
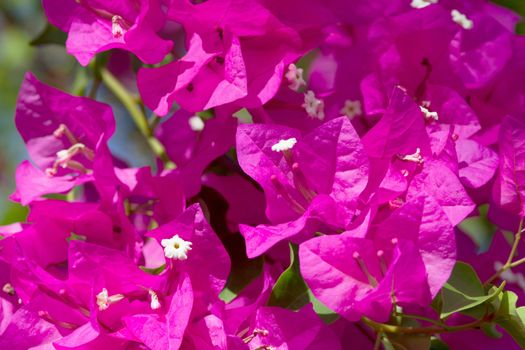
x=20 y=22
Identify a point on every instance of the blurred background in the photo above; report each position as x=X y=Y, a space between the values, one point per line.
x=23 y=32
x=21 y=21
x=28 y=44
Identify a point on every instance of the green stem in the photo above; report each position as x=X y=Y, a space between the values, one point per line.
x=509 y=264
x=517 y=262
x=80 y=82
x=423 y=318
x=138 y=116
x=154 y=121
x=126 y=99
x=517 y=239
x=387 y=328
x=94 y=88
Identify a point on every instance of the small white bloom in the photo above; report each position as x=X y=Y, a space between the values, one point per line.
x=8 y=289
x=103 y=299
x=352 y=109
x=313 y=106
x=419 y=4
x=295 y=78
x=154 y=300
x=284 y=145
x=428 y=114
x=461 y=19
x=176 y=248
x=196 y=123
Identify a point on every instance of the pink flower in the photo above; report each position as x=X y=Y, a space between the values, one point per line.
x=94 y=26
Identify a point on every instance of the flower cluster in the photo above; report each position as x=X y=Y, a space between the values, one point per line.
x=318 y=165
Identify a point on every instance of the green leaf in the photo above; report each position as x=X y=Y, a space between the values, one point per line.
x=290 y=290
x=154 y=270
x=512 y=320
x=479 y=229
x=464 y=291
x=50 y=35
x=323 y=311
x=437 y=303
x=491 y=331
x=74 y=237
x=14 y=212
x=244 y=116
x=409 y=342
x=489 y=306
x=437 y=344
x=242 y=273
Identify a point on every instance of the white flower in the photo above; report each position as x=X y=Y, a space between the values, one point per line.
x=176 y=248
x=352 y=109
x=461 y=19
x=313 y=106
x=428 y=114
x=284 y=145
x=419 y=4
x=295 y=78
x=8 y=289
x=196 y=123
x=103 y=299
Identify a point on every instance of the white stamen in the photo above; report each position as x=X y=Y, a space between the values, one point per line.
x=419 y=4
x=295 y=77
x=196 y=123
x=117 y=26
x=262 y=332
x=8 y=289
x=352 y=109
x=104 y=300
x=428 y=114
x=284 y=145
x=154 y=300
x=313 y=106
x=64 y=159
x=176 y=248
x=414 y=157
x=256 y=332
x=461 y=19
